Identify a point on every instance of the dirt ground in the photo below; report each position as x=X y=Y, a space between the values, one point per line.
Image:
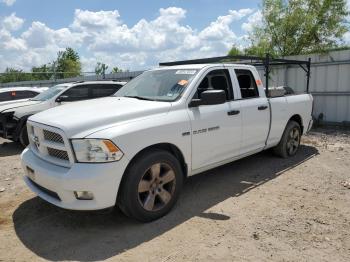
x=261 y=208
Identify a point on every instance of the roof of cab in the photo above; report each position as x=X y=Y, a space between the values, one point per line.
x=201 y=66
x=9 y=89
x=92 y=82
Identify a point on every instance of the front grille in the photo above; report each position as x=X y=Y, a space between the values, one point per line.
x=53 y=137
x=60 y=154
x=49 y=144
x=45 y=190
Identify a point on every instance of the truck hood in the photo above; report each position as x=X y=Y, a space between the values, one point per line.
x=12 y=106
x=81 y=119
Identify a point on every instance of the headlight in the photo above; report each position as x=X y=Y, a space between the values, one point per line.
x=96 y=150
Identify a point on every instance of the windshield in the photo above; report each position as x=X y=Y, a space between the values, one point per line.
x=49 y=93
x=158 y=85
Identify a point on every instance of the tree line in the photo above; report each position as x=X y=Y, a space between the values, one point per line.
x=66 y=65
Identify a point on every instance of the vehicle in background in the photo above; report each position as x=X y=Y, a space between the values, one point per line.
x=9 y=95
x=13 y=117
x=135 y=149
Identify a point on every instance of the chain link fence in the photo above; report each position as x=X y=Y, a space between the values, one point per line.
x=120 y=76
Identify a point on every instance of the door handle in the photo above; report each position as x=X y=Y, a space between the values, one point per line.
x=262 y=107
x=233 y=112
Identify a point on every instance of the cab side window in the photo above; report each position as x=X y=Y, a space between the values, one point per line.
x=216 y=80
x=5 y=96
x=104 y=90
x=77 y=93
x=247 y=83
x=23 y=95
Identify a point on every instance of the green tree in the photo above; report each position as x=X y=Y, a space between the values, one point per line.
x=116 y=70
x=67 y=64
x=44 y=72
x=299 y=26
x=101 y=68
x=235 y=51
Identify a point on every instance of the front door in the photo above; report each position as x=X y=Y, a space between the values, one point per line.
x=216 y=129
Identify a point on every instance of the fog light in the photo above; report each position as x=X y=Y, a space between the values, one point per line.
x=84 y=195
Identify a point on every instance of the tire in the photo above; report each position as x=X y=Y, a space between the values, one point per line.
x=151 y=186
x=290 y=141
x=23 y=136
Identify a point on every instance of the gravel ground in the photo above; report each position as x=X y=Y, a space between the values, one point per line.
x=261 y=208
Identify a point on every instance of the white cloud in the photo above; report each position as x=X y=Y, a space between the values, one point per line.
x=38 y=35
x=95 y=21
x=12 y=22
x=102 y=36
x=8 y=2
x=9 y=43
x=253 y=21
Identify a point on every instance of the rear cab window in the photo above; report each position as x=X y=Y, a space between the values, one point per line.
x=247 y=84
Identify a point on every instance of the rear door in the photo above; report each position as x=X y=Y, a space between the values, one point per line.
x=255 y=112
x=216 y=129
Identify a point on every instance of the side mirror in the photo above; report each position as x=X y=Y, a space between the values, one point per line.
x=62 y=99
x=209 y=97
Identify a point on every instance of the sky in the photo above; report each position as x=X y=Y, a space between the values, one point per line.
x=130 y=34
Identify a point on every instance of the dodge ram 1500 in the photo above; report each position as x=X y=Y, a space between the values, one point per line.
x=135 y=149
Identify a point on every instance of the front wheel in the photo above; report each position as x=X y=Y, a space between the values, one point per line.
x=151 y=186
x=290 y=141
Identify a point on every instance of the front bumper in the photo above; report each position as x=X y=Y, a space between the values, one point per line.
x=57 y=184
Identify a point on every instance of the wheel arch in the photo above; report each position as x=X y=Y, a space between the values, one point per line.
x=171 y=148
x=297 y=118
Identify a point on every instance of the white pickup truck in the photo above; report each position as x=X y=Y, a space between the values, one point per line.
x=136 y=148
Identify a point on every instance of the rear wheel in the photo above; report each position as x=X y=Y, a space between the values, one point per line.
x=290 y=141
x=151 y=186
x=23 y=136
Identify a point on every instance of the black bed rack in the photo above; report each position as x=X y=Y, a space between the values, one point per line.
x=266 y=62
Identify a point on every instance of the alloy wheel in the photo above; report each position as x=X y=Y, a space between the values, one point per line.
x=156 y=187
x=293 y=141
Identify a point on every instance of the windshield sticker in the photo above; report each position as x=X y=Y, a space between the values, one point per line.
x=182 y=82
x=185 y=72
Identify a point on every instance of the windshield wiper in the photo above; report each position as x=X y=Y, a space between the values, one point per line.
x=141 y=98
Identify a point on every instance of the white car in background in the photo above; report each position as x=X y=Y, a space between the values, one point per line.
x=9 y=95
x=13 y=117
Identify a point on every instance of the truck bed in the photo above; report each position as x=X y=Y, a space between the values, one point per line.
x=285 y=107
